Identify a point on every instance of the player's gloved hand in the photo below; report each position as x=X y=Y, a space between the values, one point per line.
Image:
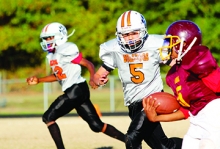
x=32 y=80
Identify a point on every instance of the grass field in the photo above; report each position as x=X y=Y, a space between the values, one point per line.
x=20 y=99
x=31 y=102
x=31 y=133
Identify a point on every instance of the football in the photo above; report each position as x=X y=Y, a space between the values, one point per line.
x=168 y=102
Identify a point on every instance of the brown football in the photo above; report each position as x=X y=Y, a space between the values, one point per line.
x=168 y=102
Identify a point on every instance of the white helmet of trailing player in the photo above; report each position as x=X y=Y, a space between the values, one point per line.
x=56 y=30
x=131 y=21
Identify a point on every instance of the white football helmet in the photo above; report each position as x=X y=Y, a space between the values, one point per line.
x=131 y=21
x=56 y=30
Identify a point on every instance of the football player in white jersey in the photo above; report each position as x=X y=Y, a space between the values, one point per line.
x=136 y=55
x=65 y=61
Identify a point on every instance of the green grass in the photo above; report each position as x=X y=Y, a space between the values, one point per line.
x=18 y=103
x=30 y=99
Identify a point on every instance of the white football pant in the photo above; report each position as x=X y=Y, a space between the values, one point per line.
x=204 y=130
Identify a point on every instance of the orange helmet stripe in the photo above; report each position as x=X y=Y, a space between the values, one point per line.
x=129 y=19
x=122 y=20
x=45 y=28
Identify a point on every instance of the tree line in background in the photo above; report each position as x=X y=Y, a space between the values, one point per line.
x=95 y=22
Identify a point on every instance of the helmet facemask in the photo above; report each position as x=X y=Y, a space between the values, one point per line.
x=132 y=45
x=181 y=36
x=175 y=42
x=168 y=44
x=48 y=45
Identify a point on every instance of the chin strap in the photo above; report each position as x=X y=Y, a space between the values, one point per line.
x=180 y=50
x=180 y=54
x=71 y=33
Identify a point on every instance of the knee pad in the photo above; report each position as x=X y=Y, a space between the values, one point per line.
x=128 y=143
x=46 y=118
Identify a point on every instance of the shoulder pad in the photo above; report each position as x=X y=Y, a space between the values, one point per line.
x=106 y=52
x=156 y=36
x=154 y=39
x=108 y=47
x=67 y=48
x=200 y=61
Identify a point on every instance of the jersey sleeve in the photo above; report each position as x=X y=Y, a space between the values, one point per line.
x=185 y=112
x=213 y=80
x=199 y=61
x=77 y=59
x=106 y=55
x=71 y=52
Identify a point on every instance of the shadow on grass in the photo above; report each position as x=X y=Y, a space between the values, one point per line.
x=105 y=147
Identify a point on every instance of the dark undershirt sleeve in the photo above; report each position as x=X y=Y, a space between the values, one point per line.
x=107 y=68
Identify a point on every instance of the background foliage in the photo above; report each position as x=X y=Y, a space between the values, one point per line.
x=21 y=22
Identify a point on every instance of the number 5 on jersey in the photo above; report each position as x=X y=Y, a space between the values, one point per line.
x=137 y=75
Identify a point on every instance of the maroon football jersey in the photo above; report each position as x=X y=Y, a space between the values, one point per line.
x=189 y=89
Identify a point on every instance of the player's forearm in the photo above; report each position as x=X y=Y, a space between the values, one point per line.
x=178 y=115
x=89 y=65
x=50 y=78
x=91 y=69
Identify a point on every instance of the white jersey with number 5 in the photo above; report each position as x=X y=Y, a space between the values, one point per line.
x=67 y=73
x=139 y=72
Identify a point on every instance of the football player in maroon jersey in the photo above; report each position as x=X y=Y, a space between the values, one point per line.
x=191 y=81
